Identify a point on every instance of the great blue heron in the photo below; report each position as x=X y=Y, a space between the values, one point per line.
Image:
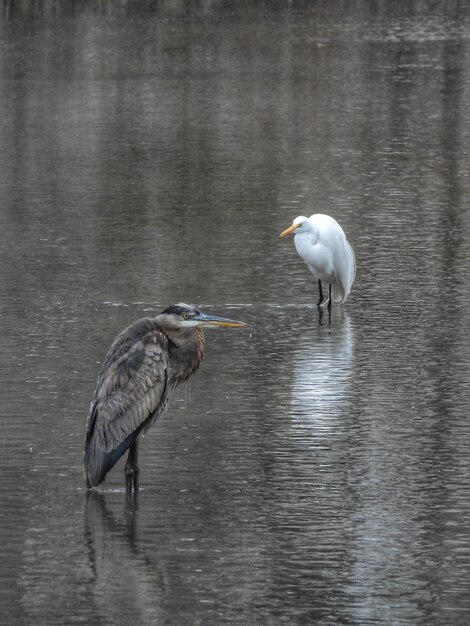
x=322 y=244
x=143 y=366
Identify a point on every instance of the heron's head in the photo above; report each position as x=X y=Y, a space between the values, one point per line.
x=299 y=225
x=186 y=316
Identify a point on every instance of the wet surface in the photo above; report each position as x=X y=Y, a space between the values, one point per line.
x=311 y=472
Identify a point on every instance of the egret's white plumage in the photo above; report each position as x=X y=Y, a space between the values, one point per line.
x=322 y=244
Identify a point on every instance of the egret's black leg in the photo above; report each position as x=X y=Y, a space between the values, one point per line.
x=132 y=469
x=329 y=304
x=320 y=290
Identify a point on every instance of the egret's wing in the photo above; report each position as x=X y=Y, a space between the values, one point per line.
x=345 y=268
x=352 y=263
x=325 y=223
x=344 y=260
x=130 y=386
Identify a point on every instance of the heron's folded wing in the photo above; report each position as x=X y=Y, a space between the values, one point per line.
x=131 y=387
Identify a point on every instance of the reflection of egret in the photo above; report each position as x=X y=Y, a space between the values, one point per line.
x=126 y=580
x=322 y=371
x=143 y=366
x=322 y=244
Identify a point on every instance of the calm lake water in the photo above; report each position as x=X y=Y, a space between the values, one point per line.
x=311 y=473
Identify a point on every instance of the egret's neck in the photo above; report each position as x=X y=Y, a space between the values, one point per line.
x=308 y=234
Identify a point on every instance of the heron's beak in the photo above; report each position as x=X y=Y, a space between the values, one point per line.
x=213 y=320
x=289 y=230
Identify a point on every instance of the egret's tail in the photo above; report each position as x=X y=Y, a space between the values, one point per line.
x=338 y=294
x=345 y=275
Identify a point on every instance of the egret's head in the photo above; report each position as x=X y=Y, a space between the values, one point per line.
x=299 y=225
x=185 y=316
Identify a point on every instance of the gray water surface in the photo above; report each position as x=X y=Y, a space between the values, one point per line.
x=312 y=472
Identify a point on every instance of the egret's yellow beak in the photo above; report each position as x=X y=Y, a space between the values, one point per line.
x=289 y=230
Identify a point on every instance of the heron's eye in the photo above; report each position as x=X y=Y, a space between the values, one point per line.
x=186 y=316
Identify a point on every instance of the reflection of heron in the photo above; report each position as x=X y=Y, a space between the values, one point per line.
x=127 y=578
x=322 y=244
x=143 y=366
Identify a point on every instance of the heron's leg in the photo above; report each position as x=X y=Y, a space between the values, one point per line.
x=320 y=291
x=131 y=470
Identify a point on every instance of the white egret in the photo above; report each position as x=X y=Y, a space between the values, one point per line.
x=322 y=244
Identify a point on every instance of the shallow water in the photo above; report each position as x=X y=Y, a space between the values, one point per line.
x=311 y=472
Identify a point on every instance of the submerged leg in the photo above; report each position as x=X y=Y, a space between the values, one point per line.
x=320 y=290
x=327 y=303
x=131 y=470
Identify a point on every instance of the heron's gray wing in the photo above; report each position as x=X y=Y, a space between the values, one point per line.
x=131 y=387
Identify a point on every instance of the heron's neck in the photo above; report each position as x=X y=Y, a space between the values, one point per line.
x=187 y=350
